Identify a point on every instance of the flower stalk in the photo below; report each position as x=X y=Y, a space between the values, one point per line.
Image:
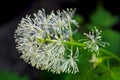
x=44 y=39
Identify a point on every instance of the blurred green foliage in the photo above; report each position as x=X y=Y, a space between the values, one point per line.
x=115 y=73
x=103 y=18
x=7 y=75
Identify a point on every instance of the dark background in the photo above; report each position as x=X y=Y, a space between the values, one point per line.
x=11 y=12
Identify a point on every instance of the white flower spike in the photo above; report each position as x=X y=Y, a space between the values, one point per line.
x=40 y=40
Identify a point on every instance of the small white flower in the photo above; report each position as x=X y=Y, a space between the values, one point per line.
x=40 y=38
x=94 y=41
x=70 y=64
x=95 y=60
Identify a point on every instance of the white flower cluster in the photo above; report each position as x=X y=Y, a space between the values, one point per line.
x=94 y=41
x=41 y=38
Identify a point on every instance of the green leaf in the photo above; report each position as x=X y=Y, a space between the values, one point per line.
x=103 y=18
x=105 y=76
x=6 y=75
x=113 y=38
x=115 y=73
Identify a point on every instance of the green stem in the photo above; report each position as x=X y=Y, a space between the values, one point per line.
x=81 y=45
x=73 y=43
x=110 y=54
x=101 y=49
